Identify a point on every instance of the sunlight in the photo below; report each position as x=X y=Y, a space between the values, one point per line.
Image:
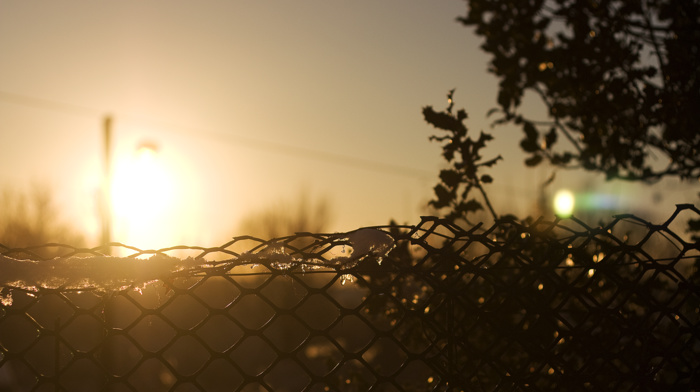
x=142 y=195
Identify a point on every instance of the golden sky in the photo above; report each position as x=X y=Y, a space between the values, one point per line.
x=248 y=103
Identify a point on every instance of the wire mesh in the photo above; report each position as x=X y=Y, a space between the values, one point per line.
x=538 y=305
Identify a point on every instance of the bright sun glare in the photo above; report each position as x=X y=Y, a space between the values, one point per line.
x=142 y=193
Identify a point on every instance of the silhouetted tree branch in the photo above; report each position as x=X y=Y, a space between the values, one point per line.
x=463 y=154
x=620 y=80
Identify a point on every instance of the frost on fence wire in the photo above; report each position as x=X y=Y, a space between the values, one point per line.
x=542 y=305
x=108 y=274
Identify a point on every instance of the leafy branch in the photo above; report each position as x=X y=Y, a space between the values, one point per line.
x=619 y=80
x=454 y=191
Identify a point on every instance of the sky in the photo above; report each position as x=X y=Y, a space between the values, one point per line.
x=249 y=104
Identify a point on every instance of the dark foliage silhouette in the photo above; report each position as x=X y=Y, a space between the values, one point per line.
x=619 y=80
x=546 y=309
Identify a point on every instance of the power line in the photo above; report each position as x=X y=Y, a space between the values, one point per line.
x=266 y=145
x=295 y=150
x=48 y=104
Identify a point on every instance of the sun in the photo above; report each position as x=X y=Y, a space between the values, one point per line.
x=142 y=197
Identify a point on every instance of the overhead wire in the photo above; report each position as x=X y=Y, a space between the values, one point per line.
x=261 y=144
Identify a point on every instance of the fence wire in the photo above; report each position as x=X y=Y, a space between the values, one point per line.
x=431 y=307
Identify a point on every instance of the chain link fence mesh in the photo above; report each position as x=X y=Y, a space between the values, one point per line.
x=430 y=307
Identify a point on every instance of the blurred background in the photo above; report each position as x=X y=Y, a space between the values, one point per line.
x=202 y=121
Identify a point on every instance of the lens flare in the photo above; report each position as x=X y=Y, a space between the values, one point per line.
x=564 y=203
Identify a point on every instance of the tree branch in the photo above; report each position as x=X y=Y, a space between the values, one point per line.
x=654 y=42
x=556 y=121
x=486 y=199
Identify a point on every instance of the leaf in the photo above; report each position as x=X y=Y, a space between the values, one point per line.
x=509 y=218
x=533 y=160
x=450 y=178
x=504 y=98
x=448 y=151
x=561 y=159
x=443 y=196
x=611 y=172
x=530 y=130
x=461 y=115
x=470 y=206
x=486 y=179
x=450 y=101
x=529 y=144
x=693 y=225
x=551 y=137
x=491 y=162
x=483 y=138
x=442 y=120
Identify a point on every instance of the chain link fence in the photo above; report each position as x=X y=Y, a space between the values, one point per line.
x=431 y=307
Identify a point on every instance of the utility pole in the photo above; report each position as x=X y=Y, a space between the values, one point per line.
x=106 y=210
